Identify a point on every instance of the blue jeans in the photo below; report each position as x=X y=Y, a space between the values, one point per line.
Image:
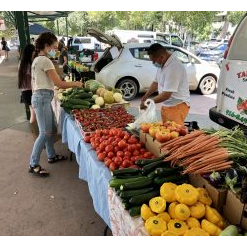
x=41 y=103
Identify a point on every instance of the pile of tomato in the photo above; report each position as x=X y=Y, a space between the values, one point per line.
x=117 y=148
x=93 y=119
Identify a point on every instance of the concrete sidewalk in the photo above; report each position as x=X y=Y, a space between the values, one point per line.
x=30 y=206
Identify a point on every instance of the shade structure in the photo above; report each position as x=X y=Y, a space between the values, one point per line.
x=36 y=29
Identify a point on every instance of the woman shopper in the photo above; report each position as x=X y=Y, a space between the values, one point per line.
x=5 y=48
x=44 y=77
x=63 y=57
x=24 y=82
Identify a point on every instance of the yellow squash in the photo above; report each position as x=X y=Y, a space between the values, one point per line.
x=168 y=233
x=165 y=216
x=186 y=194
x=167 y=191
x=157 y=204
x=211 y=228
x=204 y=196
x=171 y=210
x=196 y=232
x=146 y=212
x=212 y=215
x=182 y=211
x=178 y=227
x=193 y=223
x=155 y=226
x=197 y=210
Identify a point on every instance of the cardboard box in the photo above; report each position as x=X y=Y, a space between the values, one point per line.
x=143 y=137
x=235 y=212
x=218 y=196
x=153 y=146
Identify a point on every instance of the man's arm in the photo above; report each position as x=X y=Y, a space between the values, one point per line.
x=152 y=89
x=162 y=97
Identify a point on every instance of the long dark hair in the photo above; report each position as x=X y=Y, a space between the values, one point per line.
x=26 y=60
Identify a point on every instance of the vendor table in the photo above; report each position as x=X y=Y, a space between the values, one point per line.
x=106 y=203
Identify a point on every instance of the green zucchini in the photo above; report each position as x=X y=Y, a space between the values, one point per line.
x=80 y=107
x=143 y=183
x=143 y=162
x=127 y=171
x=129 y=176
x=166 y=171
x=135 y=211
x=152 y=166
x=130 y=193
x=173 y=179
x=127 y=205
x=144 y=198
x=78 y=102
x=117 y=182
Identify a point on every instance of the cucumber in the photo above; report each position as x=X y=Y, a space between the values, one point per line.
x=143 y=183
x=80 y=107
x=116 y=182
x=135 y=211
x=128 y=176
x=125 y=171
x=144 y=198
x=152 y=175
x=143 y=162
x=78 y=102
x=173 y=178
x=127 y=205
x=130 y=193
x=160 y=171
x=152 y=166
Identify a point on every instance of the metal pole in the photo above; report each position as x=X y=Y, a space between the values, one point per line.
x=26 y=27
x=20 y=23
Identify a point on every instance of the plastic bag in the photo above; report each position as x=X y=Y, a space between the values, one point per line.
x=146 y=116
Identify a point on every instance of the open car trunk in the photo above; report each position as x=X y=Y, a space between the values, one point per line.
x=110 y=53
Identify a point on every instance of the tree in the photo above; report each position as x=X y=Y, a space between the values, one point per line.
x=9 y=24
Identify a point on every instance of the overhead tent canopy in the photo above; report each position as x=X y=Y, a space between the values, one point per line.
x=36 y=29
x=22 y=19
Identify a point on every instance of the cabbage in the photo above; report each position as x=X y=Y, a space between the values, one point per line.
x=108 y=97
x=95 y=106
x=117 y=97
x=99 y=101
x=95 y=96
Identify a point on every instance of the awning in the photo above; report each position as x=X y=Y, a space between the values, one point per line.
x=36 y=29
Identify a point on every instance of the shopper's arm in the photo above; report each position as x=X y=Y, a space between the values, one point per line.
x=52 y=74
x=65 y=60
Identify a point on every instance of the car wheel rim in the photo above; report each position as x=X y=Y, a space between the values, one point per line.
x=127 y=89
x=208 y=85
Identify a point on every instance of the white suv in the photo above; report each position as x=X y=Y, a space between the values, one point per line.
x=231 y=103
x=80 y=43
x=129 y=68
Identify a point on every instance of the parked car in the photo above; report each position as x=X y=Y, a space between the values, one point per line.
x=80 y=43
x=129 y=68
x=213 y=55
x=231 y=102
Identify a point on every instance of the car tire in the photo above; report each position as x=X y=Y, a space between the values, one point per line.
x=207 y=85
x=129 y=88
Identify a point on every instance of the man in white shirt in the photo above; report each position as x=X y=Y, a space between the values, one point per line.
x=171 y=82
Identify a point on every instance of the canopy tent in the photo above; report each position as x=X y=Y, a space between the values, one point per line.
x=36 y=29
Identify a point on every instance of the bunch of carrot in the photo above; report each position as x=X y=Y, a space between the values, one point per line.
x=197 y=152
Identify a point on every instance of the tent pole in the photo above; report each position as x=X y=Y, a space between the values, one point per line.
x=57 y=29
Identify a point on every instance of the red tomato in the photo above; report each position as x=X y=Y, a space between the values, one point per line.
x=138 y=146
x=110 y=155
x=87 y=139
x=136 y=153
x=101 y=156
x=108 y=162
x=126 y=163
x=109 y=148
x=143 y=150
x=127 y=153
x=116 y=149
x=113 y=166
x=102 y=147
x=120 y=153
x=118 y=160
x=147 y=155
x=122 y=144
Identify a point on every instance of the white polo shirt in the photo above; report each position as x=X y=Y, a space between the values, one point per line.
x=172 y=77
x=40 y=80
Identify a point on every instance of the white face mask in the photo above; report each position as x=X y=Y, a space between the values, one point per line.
x=52 y=53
